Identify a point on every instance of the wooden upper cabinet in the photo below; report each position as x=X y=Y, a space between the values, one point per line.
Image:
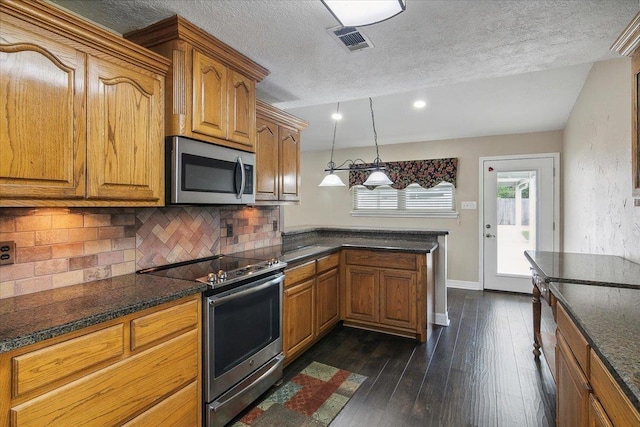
x=209 y=96
x=277 y=155
x=289 y=164
x=43 y=112
x=242 y=109
x=125 y=114
x=211 y=89
x=83 y=112
x=267 y=160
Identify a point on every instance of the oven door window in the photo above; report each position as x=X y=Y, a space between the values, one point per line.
x=202 y=174
x=244 y=326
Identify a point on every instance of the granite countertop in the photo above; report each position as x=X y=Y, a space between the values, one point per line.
x=324 y=246
x=31 y=318
x=609 y=317
x=603 y=270
x=364 y=230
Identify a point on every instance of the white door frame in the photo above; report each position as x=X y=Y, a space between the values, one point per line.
x=556 y=202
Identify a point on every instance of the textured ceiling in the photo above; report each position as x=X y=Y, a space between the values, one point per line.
x=461 y=53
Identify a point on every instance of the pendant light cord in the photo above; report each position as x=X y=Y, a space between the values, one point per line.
x=332 y=165
x=377 y=160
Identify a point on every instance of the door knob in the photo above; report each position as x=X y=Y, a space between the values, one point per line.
x=490 y=235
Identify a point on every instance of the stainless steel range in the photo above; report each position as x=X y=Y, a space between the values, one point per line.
x=242 y=329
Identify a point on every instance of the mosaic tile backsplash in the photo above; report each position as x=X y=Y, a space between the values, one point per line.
x=58 y=247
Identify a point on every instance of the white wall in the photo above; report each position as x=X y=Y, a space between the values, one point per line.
x=599 y=215
x=332 y=206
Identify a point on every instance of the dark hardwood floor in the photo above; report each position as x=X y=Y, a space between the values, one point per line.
x=479 y=371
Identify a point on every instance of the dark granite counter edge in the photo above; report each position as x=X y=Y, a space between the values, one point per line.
x=549 y=279
x=326 y=250
x=631 y=392
x=305 y=229
x=55 y=331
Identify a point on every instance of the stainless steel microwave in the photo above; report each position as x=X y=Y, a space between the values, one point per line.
x=202 y=173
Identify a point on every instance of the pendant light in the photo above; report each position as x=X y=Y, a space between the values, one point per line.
x=377 y=177
x=331 y=179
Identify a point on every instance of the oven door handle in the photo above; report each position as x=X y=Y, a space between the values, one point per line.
x=214 y=301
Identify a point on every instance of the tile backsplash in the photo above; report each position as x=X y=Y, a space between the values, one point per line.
x=58 y=247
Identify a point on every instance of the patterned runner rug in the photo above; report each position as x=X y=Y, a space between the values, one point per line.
x=312 y=398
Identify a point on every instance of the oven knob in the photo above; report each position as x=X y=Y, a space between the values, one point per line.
x=212 y=278
x=222 y=275
x=272 y=261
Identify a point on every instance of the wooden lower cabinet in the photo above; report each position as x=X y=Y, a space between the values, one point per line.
x=573 y=389
x=586 y=393
x=327 y=307
x=99 y=376
x=310 y=303
x=388 y=291
x=299 y=323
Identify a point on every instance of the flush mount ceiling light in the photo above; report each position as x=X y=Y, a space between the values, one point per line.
x=377 y=177
x=357 y=13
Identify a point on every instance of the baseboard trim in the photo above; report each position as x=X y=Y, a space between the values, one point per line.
x=463 y=284
x=442 y=319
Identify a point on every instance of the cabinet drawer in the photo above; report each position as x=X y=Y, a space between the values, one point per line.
x=577 y=343
x=47 y=365
x=328 y=262
x=615 y=403
x=179 y=409
x=297 y=274
x=161 y=324
x=108 y=396
x=387 y=259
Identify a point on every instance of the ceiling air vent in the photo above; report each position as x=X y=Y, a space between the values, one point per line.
x=350 y=38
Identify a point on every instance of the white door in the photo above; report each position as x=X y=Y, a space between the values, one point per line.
x=519 y=212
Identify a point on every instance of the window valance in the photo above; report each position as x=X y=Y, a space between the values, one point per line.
x=426 y=173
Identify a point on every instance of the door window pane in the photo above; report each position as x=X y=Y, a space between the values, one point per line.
x=516 y=231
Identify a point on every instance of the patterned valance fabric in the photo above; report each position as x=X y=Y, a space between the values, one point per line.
x=426 y=173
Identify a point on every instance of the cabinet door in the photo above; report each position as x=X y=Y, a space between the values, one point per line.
x=42 y=125
x=125 y=155
x=572 y=399
x=361 y=294
x=289 y=163
x=266 y=160
x=597 y=415
x=209 y=96
x=327 y=300
x=298 y=317
x=398 y=298
x=242 y=109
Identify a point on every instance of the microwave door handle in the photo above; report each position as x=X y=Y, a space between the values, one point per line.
x=240 y=165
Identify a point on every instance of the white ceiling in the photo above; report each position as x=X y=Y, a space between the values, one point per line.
x=485 y=67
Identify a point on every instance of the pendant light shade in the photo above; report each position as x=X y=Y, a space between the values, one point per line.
x=331 y=180
x=376 y=178
x=358 y=13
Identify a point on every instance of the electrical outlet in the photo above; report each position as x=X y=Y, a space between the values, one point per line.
x=7 y=252
x=229 y=230
x=469 y=205
x=275 y=225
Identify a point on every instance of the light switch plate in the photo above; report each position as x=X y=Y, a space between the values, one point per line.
x=469 y=205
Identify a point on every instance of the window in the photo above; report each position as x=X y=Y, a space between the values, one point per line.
x=438 y=201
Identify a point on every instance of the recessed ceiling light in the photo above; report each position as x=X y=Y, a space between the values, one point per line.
x=336 y=116
x=419 y=104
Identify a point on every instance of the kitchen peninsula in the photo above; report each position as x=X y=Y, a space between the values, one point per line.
x=593 y=353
